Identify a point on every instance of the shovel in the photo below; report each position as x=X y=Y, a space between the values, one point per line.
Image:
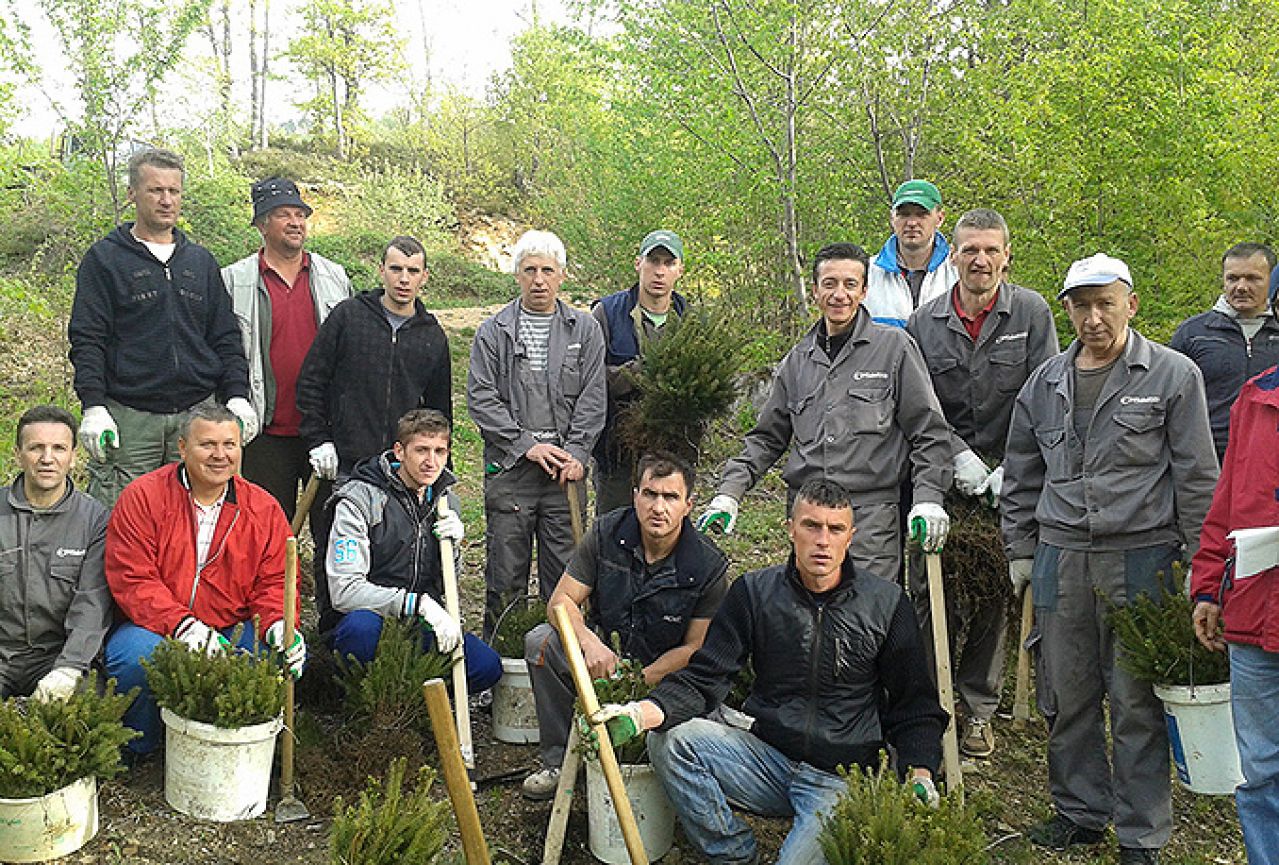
x=304 y=503
x=290 y=808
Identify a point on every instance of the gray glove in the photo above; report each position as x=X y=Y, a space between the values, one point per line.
x=1019 y=574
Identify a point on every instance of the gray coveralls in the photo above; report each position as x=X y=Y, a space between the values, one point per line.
x=866 y=420
x=509 y=403
x=1104 y=518
x=976 y=383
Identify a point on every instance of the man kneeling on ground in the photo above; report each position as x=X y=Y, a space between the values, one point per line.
x=652 y=579
x=840 y=675
x=383 y=560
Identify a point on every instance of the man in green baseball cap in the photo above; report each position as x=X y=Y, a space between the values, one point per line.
x=914 y=265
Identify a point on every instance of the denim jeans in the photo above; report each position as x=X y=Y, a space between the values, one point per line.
x=358 y=632
x=708 y=768
x=1254 y=697
x=126 y=648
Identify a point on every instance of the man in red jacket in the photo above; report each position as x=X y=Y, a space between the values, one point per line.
x=1235 y=600
x=192 y=552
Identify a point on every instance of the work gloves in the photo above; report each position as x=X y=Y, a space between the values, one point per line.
x=449 y=527
x=1019 y=574
x=98 y=432
x=324 y=461
x=294 y=655
x=970 y=473
x=199 y=637
x=57 y=684
x=925 y=790
x=993 y=486
x=722 y=512
x=624 y=721
x=248 y=418
x=928 y=525
x=448 y=633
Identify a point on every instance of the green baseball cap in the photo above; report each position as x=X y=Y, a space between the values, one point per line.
x=668 y=239
x=919 y=192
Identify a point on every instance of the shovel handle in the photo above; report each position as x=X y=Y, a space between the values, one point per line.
x=290 y=611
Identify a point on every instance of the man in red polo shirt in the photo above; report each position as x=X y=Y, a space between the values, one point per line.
x=281 y=295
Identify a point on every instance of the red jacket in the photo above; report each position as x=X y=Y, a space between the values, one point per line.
x=151 y=558
x=1247 y=496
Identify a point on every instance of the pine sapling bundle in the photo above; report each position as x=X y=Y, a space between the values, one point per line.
x=387 y=691
x=229 y=689
x=390 y=825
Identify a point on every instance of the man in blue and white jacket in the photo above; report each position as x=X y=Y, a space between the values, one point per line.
x=914 y=266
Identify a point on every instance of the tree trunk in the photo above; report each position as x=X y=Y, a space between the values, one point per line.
x=263 y=141
x=254 y=97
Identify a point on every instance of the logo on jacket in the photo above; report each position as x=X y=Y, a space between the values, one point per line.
x=1009 y=337
x=1137 y=400
x=63 y=552
x=863 y=374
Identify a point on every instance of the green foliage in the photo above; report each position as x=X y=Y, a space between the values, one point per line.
x=387 y=691
x=296 y=163
x=46 y=746
x=1158 y=643
x=216 y=208
x=230 y=689
x=687 y=381
x=455 y=280
x=879 y=821
x=626 y=685
x=522 y=616
x=389 y=825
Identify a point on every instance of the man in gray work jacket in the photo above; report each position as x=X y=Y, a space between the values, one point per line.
x=1109 y=471
x=536 y=390
x=853 y=402
x=981 y=340
x=54 y=603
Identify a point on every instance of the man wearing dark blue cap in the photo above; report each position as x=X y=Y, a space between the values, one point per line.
x=281 y=295
x=914 y=264
x=630 y=319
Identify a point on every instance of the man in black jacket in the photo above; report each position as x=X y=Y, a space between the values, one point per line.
x=152 y=334
x=839 y=675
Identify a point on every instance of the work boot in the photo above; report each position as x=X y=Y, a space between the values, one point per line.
x=541 y=785
x=979 y=738
x=1138 y=856
x=1060 y=832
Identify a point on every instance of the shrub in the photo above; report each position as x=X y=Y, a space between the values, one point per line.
x=1158 y=643
x=520 y=617
x=387 y=691
x=626 y=685
x=879 y=821
x=46 y=746
x=230 y=689
x=389 y=826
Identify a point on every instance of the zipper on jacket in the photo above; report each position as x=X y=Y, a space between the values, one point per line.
x=199 y=569
x=390 y=368
x=173 y=316
x=814 y=674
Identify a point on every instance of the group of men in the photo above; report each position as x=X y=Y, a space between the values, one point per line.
x=927 y=371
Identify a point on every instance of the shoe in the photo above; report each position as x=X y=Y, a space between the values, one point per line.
x=540 y=786
x=1060 y=833
x=979 y=738
x=1138 y=856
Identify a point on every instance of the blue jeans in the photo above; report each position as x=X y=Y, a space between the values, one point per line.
x=358 y=632
x=1254 y=697
x=126 y=648
x=708 y=768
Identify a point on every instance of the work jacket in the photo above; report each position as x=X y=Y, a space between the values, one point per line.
x=888 y=297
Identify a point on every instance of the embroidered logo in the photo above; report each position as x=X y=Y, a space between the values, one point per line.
x=1009 y=337
x=863 y=374
x=1138 y=400
x=63 y=552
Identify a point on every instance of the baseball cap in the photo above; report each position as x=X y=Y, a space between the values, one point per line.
x=668 y=239
x=919 y=192
x=1100 y=269
x=275 y=192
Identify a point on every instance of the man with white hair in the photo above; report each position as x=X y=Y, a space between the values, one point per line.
x=536 y=390
x=1109 y=471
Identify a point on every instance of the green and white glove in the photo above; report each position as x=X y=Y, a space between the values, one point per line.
x=199 y=637
x=925 y=791
x=928 y=524
x=98 y=432
x=624 y=721
x=722 y=512
x=993 y=486
x=246 y=415
x=295 y=655
x=970 y=472
x=56 y=685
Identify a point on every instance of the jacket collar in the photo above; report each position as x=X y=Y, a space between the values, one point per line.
x=381 y=471
x=508 y=316
x=184 y=481
x=373 y=299
x=887 y=257
x=18 y=497
x=684 y=556
x=847 y=579
x=1137 y=353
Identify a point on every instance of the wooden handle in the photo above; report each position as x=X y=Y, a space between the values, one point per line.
x=553 y=848
x=1021 y=695
x=945 y=687
x=574 y=510
x=455 y=778
x=304 y=505
x=452 y=606
x=290 y=612
x=608 y=759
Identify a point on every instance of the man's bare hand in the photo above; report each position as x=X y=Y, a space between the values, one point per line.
x=600 y=659
x=550 y=457
x=572 y=470
x=1207 y=619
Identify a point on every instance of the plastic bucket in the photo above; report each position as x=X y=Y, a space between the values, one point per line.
x=1202 y=735
x=218 y=774
x=46 y=827
x=514 y=713
x=653 y=813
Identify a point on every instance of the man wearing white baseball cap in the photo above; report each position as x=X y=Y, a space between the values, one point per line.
x=1109 y=471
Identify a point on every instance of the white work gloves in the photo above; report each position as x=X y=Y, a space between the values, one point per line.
x=294 y=655
x=993 y=486
x=248 y=418
x=199 y=637
x=1019 y=574
x=448 y=633
x=449 y=527
x=57 y=684
x=970 y=472
x=324 y=460
x=98 y=432
x=722 y=512
x=624 y=721
x=928 y=525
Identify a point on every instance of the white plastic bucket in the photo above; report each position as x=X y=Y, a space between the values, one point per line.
x=213 y=773
x=1202 y=735
x=654 y=814
x=46 y=827
x=514 y=713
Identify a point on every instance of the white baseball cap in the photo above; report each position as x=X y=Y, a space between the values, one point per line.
x=1100 y=269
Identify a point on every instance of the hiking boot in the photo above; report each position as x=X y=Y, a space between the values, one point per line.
x=540 y=786
x=1138 y=856
x=1060 y=833
x=979 y=738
